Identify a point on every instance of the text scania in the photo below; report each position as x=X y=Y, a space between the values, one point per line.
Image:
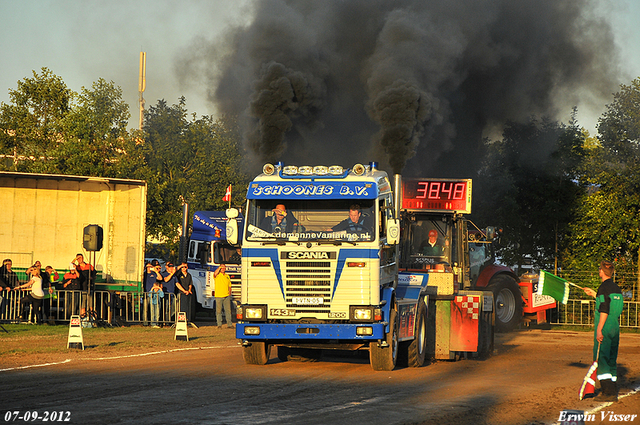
x=306 y=255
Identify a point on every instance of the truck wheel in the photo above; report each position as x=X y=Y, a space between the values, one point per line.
x=385 y=358
x=507 y=300
x=417 y=350
x=256 y=353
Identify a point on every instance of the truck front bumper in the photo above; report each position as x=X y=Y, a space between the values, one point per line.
x=296 y=331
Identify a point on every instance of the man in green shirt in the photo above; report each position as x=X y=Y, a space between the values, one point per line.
x=609 y=305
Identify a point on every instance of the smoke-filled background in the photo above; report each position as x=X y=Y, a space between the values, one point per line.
x=414 y=85
x=341 y=81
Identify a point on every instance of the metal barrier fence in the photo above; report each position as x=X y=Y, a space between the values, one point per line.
x=135 y=308
x=581 y=313
x=105 y=307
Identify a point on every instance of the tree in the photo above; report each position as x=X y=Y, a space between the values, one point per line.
x=96 y=139
x=31 y=124
x=526 y=187
x=607 y=223
x=190 y=160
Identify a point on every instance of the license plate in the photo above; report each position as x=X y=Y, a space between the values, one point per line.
x=308 y=300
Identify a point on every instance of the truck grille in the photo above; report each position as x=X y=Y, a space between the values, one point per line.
x=308 y=280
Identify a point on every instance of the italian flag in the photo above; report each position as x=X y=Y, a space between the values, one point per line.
x=554 y=286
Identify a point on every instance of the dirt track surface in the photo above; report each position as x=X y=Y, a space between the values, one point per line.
x=532 y=377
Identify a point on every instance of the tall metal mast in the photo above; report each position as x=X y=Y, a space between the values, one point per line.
x=142 y=83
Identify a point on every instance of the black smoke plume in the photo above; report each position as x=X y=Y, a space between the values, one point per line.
x=412 y=84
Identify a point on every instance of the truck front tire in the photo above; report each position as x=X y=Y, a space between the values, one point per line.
x=385 y=357
x=417 y=350
x=507 y=301
x=256 y=353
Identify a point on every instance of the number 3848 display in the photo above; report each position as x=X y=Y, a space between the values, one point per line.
x=34 y=415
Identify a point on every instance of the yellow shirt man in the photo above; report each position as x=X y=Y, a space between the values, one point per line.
x=222 y=286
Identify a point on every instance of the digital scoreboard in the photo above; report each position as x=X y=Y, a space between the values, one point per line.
x=437 y=195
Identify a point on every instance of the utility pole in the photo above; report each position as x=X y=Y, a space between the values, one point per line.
x=142 y=84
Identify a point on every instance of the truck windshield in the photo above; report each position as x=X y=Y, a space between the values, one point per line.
x=427 y=244
x=311 y=220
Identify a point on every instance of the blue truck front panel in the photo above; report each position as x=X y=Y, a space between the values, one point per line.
x=289 y=331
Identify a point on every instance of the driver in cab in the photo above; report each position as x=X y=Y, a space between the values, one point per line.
x=280 y=221
x=355 y=223
x=431 y=247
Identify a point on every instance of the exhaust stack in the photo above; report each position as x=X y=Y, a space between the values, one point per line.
x=397 y=193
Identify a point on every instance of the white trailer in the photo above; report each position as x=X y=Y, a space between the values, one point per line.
x=43 y=217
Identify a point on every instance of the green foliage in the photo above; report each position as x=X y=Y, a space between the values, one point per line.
x=525 y=186
x=189 y=160
x=607 y=224
x=46 y=128
x=32 y=123
x=608 y=218
x=619 y=126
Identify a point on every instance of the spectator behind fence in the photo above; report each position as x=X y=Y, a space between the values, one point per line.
x=52 y=275
x=169 y=278
x=155 y=295
x=185 y=291
x=71 y=282
x=151 y=275
x=86 y=271
x=36 y=266
x=8 y=278
x=5 y=288
x=49 y=277
x=34 y=298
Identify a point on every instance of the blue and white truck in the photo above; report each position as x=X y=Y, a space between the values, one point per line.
x=208 y=249
x=322 y=284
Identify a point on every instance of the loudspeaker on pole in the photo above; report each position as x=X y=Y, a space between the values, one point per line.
x=92 y=239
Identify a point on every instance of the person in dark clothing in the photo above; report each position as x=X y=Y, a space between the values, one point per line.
x=7 y=282
x=169 y=278
x=86 y=271
x=609 y=306
x=355 y=223
x=71 y=282
x=280 y=222
x=152 y=275
x=186 y=294
x=8 y=278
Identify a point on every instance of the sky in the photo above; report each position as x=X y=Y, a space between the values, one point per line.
x=82 y=41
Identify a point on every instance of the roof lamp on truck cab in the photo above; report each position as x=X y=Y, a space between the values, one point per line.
x=321 y=194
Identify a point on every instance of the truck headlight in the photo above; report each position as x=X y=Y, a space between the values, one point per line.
x=361 y=313
x=364 y=330
x=251 y=330
x=254 y=312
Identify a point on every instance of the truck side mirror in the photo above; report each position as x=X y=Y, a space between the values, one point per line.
x=393 y=231
x=232 y=231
